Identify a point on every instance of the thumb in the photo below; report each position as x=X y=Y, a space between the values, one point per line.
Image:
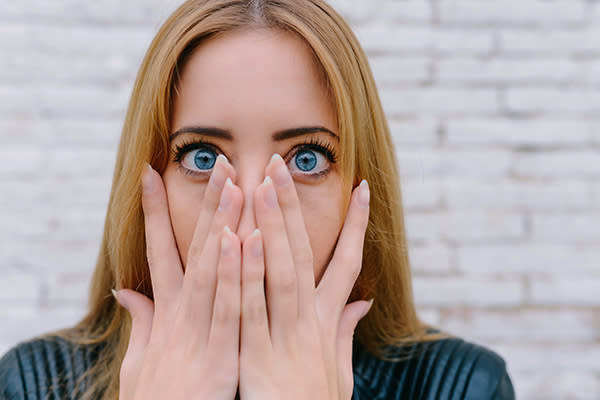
x=141 y=310
x=351 y=315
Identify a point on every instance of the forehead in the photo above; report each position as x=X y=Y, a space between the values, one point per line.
x=266 y=77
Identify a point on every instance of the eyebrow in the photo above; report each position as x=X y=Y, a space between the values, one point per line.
x=277 y=136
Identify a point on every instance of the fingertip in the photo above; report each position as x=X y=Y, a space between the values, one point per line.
x=363 y=194
x=147 y=179
x=256 y=247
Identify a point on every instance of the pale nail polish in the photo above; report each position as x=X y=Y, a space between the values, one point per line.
x=217 y=178
x=226 y=196
x=147 y=184
x=364 y=194
x=270 y=197
x=282 y=176
x=256 y=250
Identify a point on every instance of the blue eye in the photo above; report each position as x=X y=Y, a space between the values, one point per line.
x=197 y=160
x=205 y=159
x=306 y=160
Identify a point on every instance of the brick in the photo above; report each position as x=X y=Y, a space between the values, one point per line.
x=568 y=228
x=21 y=323
x=566 y=384
x=426 y=164
x=438 y=101
x=67 y=289
x=522 y=326
x=394 y=38
x=551 y=358
x=464 y=227
x=462 y=291
x=357 y=11
x=507 y=12
x=568 y=195
x=60 y=101
x=514 y=71
x=418 y=195
x=49 y=256
x=20 y=195
x=573 y=291
x=28 y=67
x=88 y=40
x=430 y=259
x=564 y=164
x=538 y=133
x=391 y=70
x=61 y=133
x=550 y=42
x=149 y=12
x=413 y=132
x=429 y=315
x=63 y=163
x=559 y=102
x=18 y=286
x=528 y=258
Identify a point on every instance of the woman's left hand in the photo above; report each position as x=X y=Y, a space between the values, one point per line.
x=301 y=348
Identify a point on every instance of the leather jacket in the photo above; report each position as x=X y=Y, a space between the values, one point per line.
x=52 y=368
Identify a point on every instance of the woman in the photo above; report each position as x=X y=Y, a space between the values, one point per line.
x=268 y=214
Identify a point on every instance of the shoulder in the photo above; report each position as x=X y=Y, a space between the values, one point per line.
x=49 y=367
x=444 y=369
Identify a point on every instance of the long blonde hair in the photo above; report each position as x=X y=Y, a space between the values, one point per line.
x=366 y=153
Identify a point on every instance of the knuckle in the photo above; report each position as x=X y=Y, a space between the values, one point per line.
x=224 y=312
x=254 y=311
x=200 y=279
x=286 y=283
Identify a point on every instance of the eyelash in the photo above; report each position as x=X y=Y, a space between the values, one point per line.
x=315 y=144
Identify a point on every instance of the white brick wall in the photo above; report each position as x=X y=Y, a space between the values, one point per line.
x=494 y=109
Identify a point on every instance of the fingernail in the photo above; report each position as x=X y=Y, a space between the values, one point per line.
x=226 y=241
x=274 y=158
x=367 y=309
x=364 y=194
x=115 y=294
x=256 y=250
x=147 y=184
x=282 y=176
x=270 y=197
x=226 y=196
x=217 y=178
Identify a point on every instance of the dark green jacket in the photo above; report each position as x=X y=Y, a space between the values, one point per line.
x=446 y=369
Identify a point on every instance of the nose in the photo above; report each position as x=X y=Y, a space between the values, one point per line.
x=248 y=180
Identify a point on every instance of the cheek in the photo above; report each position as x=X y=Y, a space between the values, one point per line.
x=321 y=211
x=184 y=209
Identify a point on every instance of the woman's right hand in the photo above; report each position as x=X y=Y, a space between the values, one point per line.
x=185 y=345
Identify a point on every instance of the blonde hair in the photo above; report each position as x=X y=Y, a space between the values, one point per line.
x=366 y=153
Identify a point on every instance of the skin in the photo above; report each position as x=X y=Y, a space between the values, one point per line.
x=254 y=84
x=236 y=312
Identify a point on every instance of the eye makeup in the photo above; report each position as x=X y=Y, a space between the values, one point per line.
x=312 y=159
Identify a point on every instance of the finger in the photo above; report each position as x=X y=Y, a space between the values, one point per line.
x=255 y=325
x=200 y=283
x=296 y=232
x=350 y=317
x=225 y=325
x=141 y=310
x=163 y=259
x=339 y=277
x=212 y=195
x=281 y=285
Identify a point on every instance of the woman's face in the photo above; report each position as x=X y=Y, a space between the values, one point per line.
x=258 y=90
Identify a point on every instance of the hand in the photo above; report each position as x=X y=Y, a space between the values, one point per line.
x=302 y=347
x=185 y=345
